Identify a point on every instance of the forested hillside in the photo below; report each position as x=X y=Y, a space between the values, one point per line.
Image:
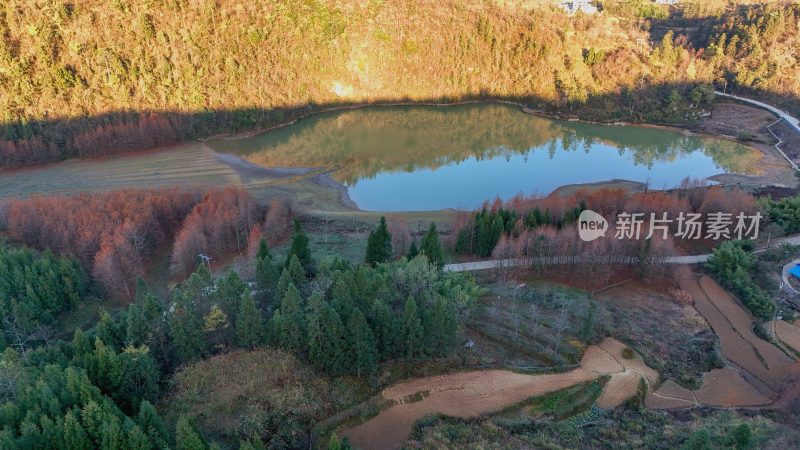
x=92 y=77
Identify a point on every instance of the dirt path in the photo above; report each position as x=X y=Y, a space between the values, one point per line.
x=469 y=394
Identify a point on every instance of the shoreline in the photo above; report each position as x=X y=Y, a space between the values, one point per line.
x=774 y=170
x=684 y=130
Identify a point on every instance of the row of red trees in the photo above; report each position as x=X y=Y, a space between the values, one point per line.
x=112 y=234
x=115 y=234
x=221 y=224
x=122 y=134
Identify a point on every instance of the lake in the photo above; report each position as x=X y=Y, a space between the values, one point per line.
x=428 y=157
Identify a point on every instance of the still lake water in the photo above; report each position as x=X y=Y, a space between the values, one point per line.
x=427 y=158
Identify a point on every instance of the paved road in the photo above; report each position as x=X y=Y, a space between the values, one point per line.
x=779 y=112
x=518 y=262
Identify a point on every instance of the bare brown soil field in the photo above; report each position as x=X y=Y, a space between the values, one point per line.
x=773 y=364
x=470 y=394
x=619 y=388
x=726 y=388
x=730 y=118
x=670 y=395
x=788 y=334
x=461 y=395
x=761 y=370
x=721 y=387
x=654 y=401
x=733 y=345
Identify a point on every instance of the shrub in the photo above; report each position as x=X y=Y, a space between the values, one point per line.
x=627 y=353
x=681 y=297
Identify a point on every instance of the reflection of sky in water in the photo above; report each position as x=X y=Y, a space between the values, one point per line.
x=467 y=184
x=424 y=158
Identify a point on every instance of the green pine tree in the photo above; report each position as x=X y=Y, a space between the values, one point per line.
x=379 y=244
x=105 y=369
x=139 y=377
x=107 y=330
x=75 y=437
x=263 y=250
x=293 y=336
x=333 y=351
x=135 y=439
x=412 y=331
x=342 y=296
x=431 y=247
x=153 y=309
x=230 y=290
x=249 y=326
x=186 y=437
x=186 y=329
x=386 y=330
x=296 y=271
x=266 y=279
x=137 y=326
x=413 y=251
x=111 y=437
x=283 y=285
x=80 y=343
x=362 y=345
x=151 y=423
x=275 y=329
x=314 y=332
x=299 y=248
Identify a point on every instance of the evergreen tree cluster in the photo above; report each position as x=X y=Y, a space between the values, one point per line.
x=82 y=394
x=52 y=403
x=95 y=391
x=733 y=264
x=348 y=319
x=481 y=235
x=34 y=287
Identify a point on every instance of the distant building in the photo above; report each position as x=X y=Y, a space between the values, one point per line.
x=575 y=6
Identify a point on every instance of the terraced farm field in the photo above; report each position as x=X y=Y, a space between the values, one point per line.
x=759 y=370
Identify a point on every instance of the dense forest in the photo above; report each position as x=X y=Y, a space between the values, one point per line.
x=97 y=389
x=92 y=78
